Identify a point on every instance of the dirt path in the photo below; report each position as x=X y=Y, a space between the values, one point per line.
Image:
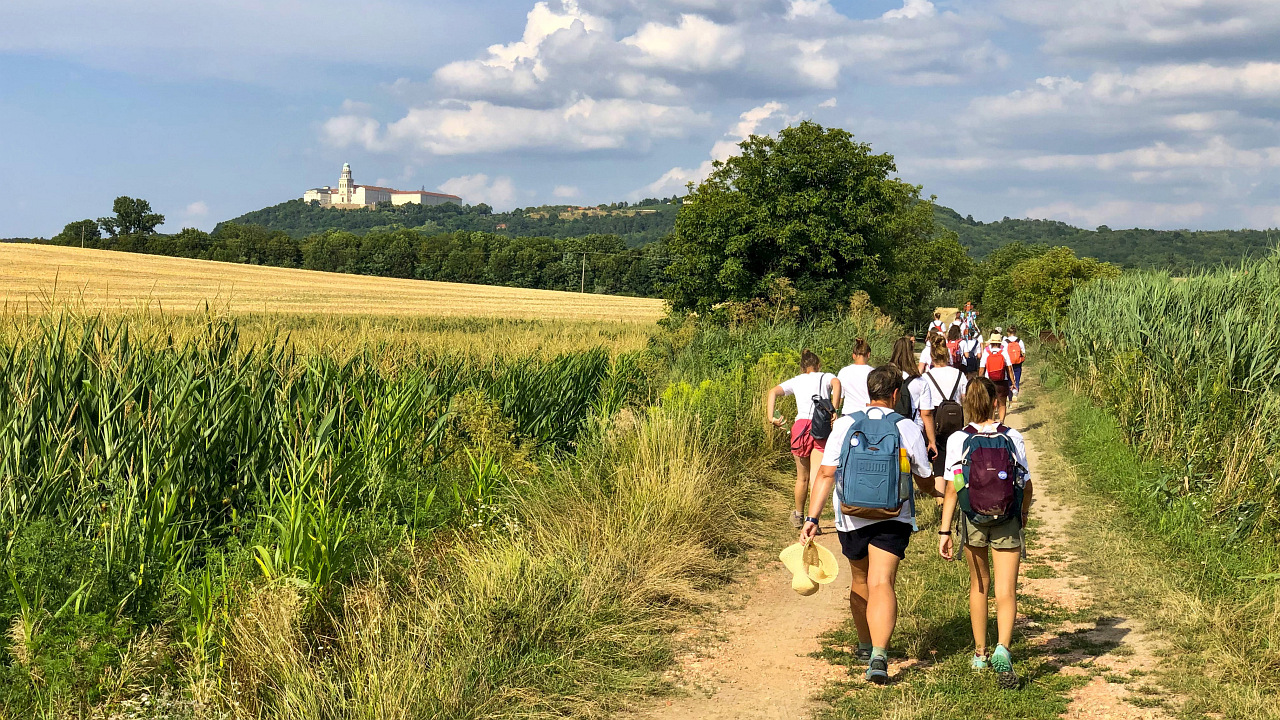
x=1113 y=652
x=755 y=662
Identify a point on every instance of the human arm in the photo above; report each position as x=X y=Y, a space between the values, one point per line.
x=818 y=500
x=770 y=400
x=836 y=391
x=930 y=434
x=1026 y=501
x=946 y=546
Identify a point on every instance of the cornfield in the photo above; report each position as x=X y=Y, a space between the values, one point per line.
x=149 y=457
x=1190 y=368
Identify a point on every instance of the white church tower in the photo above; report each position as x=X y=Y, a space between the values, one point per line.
x=346 y=188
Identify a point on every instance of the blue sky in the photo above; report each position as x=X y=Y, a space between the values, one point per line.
x=1154 y=113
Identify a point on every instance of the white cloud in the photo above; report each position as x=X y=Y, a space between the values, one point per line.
x=1122 y=213
x=1149 y=29
x=912 y=9
x=474 y=189
x=197 y=210
x=482 y=127
x=828 y=103
x=675 y=180
x=696 y=44
x=566 y=191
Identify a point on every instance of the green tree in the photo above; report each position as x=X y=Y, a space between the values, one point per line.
x=1042 y=286
x=79 y=233
x=815 y=207
x=133 y=216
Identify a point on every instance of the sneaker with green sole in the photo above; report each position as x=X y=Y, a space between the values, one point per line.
x=1002 y=663
x=862 y=656
x=978 y=663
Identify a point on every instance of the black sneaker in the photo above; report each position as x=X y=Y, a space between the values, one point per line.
x=878 y=670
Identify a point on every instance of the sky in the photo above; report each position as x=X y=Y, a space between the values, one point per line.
x=1150 y=113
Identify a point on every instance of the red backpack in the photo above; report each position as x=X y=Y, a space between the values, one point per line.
x=995 y=364
x=1015 y=352
x=954 y=347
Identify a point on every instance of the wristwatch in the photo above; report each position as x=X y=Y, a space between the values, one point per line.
x=813 y=520
x=944 y=532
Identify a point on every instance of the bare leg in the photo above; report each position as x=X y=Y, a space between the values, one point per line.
x=858 y=598
x=802 y=482
x=1002 y=407
x=882 y=601
x=979 y=587
x=1006 y=584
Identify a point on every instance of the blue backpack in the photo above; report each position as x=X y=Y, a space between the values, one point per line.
x=869 y=481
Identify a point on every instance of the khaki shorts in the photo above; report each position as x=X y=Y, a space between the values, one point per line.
x=1005 y=536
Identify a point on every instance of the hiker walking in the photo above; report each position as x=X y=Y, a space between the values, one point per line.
x=995 y=365
x=970 y=346
x=926 y=355
x=969 y=316
x=937 y=326
x=1017 y=351
x=955 y=357
x=869 y=470
x=813 y=389
x=853 y=378
x=915 y=392
x=992 y=488
x=942 y=411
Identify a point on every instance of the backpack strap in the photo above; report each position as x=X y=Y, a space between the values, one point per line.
x=934 y=380
x=954 y=388
x=970 y=430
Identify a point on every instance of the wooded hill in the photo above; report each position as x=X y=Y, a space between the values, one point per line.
x=1179 y=251
x=644 y=222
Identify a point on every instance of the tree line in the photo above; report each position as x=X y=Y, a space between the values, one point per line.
x=300 y=219
x=596 y=263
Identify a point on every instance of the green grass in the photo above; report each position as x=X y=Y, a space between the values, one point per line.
x=1159 y=559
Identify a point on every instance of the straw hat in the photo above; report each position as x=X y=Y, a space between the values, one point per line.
x=810 y=565
x=995 y=339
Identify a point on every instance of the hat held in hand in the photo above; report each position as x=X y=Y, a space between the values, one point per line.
x=811 y=565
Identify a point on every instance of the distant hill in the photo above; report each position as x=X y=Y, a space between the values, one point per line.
x=638 y=224
x=1178 y=251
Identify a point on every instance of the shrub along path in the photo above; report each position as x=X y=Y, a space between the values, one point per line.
x=775 y=653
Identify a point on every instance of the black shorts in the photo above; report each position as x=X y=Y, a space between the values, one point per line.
x=890 y=536
x=1003 y=388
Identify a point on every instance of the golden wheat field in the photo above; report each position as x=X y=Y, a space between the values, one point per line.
x=36 y=278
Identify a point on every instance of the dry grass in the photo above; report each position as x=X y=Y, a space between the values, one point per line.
x=38 y=277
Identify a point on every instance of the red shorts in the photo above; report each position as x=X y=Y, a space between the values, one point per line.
x=802 y=443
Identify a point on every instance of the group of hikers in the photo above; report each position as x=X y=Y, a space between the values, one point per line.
x=868 y=437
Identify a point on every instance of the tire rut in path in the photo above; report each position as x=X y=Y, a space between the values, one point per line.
x=757 y=665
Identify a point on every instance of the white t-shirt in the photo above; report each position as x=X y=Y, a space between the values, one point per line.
x=969 y=347
x=917 y=452
x=853 y=387
x=804 y=387
x=919 y=395
x=947 y=379
x=955 y=448
x=925 y=355
x=938 y=325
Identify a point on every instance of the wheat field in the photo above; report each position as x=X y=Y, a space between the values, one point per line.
x=41 y=277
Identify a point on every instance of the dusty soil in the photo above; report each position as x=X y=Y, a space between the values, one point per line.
x=754 y=661
x=1115 y=688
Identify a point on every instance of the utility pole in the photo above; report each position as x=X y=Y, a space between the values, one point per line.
x=582 y=287
x=81 y=236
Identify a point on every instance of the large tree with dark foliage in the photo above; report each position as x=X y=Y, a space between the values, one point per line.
x=815 y=207
x=133 y=216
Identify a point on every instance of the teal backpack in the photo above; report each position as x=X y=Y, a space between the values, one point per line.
x=869 y=481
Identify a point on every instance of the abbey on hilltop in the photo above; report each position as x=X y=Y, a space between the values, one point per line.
x=349 y=196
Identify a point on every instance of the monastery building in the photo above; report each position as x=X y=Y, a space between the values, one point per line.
x=349 y=196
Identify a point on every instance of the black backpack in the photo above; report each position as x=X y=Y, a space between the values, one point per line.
x=948 y=416
x=824 y=413
x=905 y=406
